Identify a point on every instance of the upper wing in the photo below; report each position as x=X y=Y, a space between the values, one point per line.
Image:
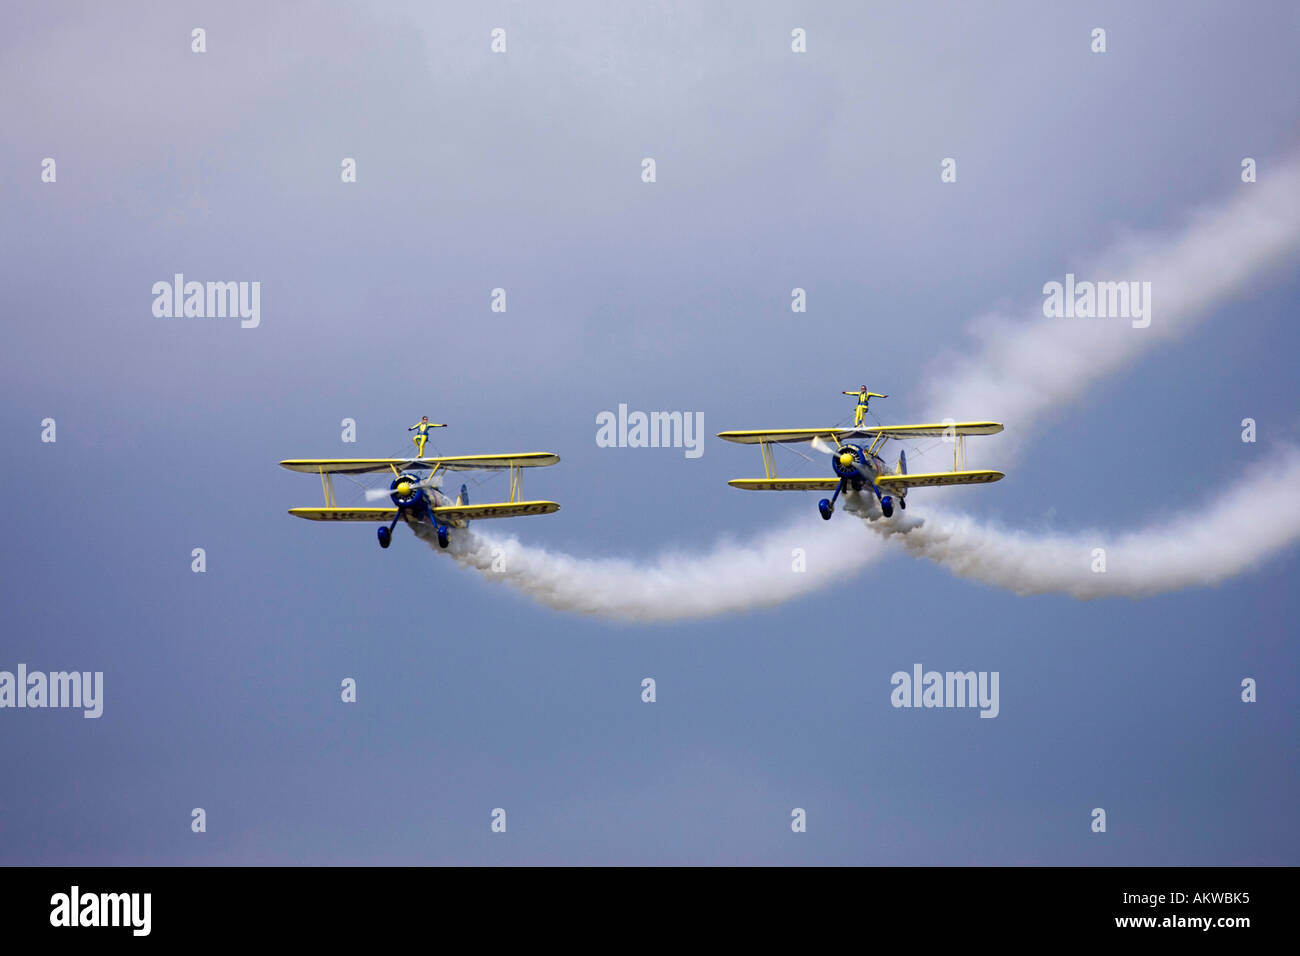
x=528 y=459
x=342 y=466
x=938 y=478
x=940 y=430
x=780 y=435
x=784 y=435
x=360 y=466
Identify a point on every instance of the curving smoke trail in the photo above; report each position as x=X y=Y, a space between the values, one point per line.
x=1020 y=371
x=1198 y=548
x=804 y=556
x=1024 y=368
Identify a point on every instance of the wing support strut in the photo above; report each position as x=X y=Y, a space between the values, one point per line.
x=327 y=486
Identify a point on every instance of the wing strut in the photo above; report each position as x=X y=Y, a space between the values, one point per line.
x=327 y=486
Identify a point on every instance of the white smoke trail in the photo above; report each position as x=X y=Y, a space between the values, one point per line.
x=1252 y=519
x=1020 y=371
x=1023 y=368
x=804 y=556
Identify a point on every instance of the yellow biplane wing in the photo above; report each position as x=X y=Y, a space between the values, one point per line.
x=785 y=484
x=924 y=480
x=344 y=514
x=887 y=482
x=327 y=468
x=361 y=466
x=939 y=430
x=450 y=513
x=935 y=430
x=514 y=509
x=956 y=431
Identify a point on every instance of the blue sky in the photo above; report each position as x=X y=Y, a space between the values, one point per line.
x=522 y=171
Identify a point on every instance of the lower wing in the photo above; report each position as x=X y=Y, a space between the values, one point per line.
x=921 y=480
x=785 y=484
x=344 y=514
x=514 y=509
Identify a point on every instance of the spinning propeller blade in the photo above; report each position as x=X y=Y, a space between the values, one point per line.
x=378 y=494
x=823 y=446
x=820 y=444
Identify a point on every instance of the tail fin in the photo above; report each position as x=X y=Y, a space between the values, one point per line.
x=463 y=497
x=902 y=463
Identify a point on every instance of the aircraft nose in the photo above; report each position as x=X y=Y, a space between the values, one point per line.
x=846 y=459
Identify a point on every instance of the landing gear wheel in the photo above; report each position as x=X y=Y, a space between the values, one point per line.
x=887 y=506
x=826 y=508
x=385 y=536
x=902 y=503
x=443 y=539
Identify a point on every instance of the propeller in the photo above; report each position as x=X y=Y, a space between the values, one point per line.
x=846 y=457
x=378 y=494
x=820 y=444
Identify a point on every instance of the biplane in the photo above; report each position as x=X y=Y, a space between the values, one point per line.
x=858 y=467
x=415 y=497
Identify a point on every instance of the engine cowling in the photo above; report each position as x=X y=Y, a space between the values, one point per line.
x=847 y=460
x=405 y=490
